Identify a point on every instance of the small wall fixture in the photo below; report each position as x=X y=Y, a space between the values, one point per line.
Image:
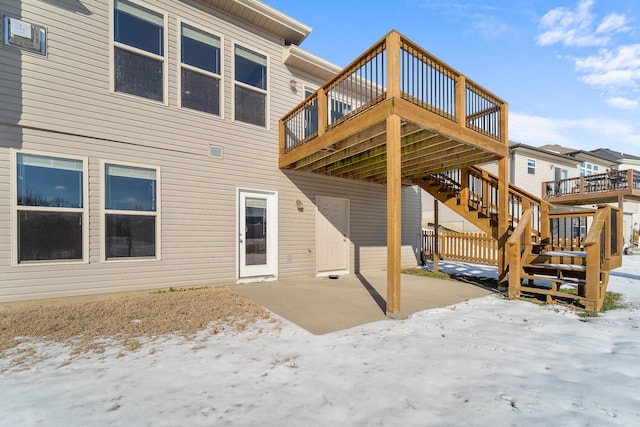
x=299 y=205
x=293 y=84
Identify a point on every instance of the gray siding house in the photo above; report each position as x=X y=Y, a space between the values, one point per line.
x=139 y=149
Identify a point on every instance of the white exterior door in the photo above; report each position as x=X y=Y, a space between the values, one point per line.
x=257 y=234
x=332 y=234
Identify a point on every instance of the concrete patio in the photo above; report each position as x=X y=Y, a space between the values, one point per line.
x=322 y=305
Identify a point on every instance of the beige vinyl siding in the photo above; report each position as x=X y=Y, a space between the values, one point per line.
x=525 y=180
x=198 y=225
x=367 y=229
x=61 y=104
x=69 y=89
x=446 y=217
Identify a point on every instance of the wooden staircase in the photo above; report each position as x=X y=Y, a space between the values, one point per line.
x=559 y=253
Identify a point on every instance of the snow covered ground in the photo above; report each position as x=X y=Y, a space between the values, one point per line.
x=484 y=362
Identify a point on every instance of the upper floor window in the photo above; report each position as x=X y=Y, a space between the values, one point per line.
x=310 y=116
x=339 y=109
x=531 y=166
x=139 y=51
x=50 y=208
x=200 y=71
x=250 y=86
x=587 y=169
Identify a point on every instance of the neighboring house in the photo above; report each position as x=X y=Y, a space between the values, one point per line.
x=530 y=167
x=602 y=160
x=591 y=162
x=139 y=149
x=621 y=160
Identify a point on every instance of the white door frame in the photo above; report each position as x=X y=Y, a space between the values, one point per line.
x=270 y=268
x=347 y=255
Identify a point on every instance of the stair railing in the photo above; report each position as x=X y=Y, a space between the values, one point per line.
x=519 y=246
x=597 y=251
x=481 y=194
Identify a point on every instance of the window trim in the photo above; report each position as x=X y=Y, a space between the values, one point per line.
x=165 y=58
x=253 y=88
x=306 y=88
x=530 y=167
x=104 y=212
x=180 y=66
x=13 y=195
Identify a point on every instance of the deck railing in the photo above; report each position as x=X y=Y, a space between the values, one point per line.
x=427 y=82
x=593 y=184
x=477 y=248
x=394 y=67
x=568 y=231
x=598 y=243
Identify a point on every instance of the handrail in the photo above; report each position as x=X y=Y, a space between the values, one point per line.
x=599 y=220
x=517 y=242
x=481 y=194
x=514 y=188
x=596 y=249
x=519 y=232
x=519 y=199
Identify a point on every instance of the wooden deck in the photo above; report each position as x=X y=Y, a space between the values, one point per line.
x=394 y=115
x=446 y=120
x=609 y=187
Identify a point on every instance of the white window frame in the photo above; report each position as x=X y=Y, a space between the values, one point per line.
x=588 y=169
x=531 y=164
x=307 y=88
x=15 y=208
x=104 y=212
x=311 y=90
x=113 y=44
x=267 y=118
x=180 y=66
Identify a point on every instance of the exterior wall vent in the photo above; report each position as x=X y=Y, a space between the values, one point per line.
x=23 y=35
x=215 y=151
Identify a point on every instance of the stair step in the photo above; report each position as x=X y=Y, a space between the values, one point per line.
x=554 y=279
x=557 y=267
x=551 y=292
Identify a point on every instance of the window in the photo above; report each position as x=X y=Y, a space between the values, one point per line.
x=587 y=169
x=531 y=166
x=199 y=70
x=138 y=51
x=50 y=208
x=310 y=117
x=250 y=87
x=130 y=211
x=339 y=109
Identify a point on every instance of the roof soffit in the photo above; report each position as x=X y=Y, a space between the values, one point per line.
x=264 y=17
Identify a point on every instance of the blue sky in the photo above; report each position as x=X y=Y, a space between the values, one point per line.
x=570 y=70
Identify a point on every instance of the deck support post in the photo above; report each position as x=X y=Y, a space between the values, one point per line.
x=503 y=221
x=394 y=215
x=436 y=236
